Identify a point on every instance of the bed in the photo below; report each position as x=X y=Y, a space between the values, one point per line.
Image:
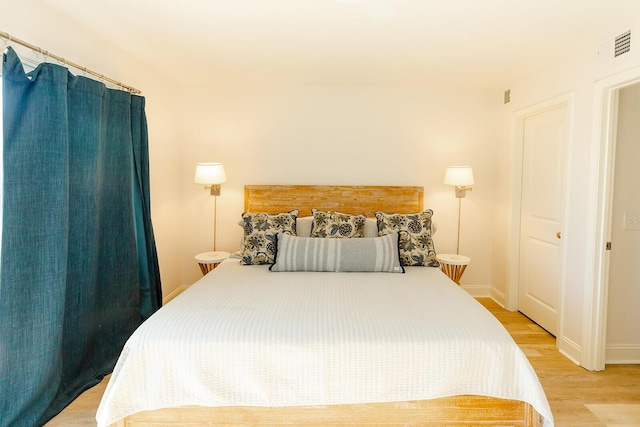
x=249 y=346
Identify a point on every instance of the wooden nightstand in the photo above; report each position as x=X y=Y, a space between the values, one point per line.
x=209 y=260
x=453 y=265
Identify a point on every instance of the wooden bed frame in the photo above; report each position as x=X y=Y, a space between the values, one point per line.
x=467 y=410
x=450 y=411
x=341 y=198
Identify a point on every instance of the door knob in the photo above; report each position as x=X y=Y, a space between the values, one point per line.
x=559 y=235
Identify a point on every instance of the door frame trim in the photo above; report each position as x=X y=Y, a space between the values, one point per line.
x=515 y=199
x=599 y=219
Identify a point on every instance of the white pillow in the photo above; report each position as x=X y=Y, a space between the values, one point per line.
x=303 y=226
x=371 y=227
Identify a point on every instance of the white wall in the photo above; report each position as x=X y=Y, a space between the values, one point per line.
x=347 y=135
x=42 y=26
x=575 y=73
x=623 y=334
x=298 y=135
x=352 y=135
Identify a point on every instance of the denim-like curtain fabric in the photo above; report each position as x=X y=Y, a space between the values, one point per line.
x=78 y=269
x=150 y=289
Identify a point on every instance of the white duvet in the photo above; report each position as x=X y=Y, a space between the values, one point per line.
x=245 y=336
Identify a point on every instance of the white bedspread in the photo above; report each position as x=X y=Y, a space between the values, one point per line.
x=243 y=335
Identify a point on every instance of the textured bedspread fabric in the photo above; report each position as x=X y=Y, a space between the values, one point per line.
x=245 y=336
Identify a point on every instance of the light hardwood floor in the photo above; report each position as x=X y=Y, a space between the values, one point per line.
x=570 y=389
x=578 y=398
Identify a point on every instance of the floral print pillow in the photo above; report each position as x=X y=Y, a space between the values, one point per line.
x=260 y=235
x=415 y=243
x=336 y=224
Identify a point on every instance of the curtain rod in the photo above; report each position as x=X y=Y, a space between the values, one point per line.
x=46 y=54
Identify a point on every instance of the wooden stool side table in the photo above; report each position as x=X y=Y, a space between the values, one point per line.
x=209 y=260
x=453 y=265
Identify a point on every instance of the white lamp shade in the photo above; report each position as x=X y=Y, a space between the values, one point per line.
x=459 y=176
x=210 y=174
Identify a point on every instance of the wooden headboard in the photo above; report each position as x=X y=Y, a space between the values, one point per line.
x=342 y=198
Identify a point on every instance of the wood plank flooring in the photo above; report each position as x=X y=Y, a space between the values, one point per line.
x=578 y=398
x=570 y=389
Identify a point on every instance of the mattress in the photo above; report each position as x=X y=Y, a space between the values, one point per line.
x=246 y=336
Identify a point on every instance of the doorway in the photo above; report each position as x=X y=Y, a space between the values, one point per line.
x=606 y=93
x=622 y=333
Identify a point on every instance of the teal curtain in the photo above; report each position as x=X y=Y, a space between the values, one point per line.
x=79 y=270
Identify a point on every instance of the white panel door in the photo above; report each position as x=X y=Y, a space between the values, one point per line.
x=545 y=138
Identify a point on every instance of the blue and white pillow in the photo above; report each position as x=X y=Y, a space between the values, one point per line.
x=336 y=224
x=415 y=241
x=260 y=235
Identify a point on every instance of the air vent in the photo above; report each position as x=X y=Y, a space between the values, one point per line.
x=622 y=44
x=507 y=96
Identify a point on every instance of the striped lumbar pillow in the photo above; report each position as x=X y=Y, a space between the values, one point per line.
x=375 y=254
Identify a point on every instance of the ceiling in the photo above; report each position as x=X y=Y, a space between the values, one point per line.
x=351 y=41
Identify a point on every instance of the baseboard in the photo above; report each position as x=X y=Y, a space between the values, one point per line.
x=477 y=291
x=499 y=297
x=622 y=354
x=569 y=349
x=173 y=294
